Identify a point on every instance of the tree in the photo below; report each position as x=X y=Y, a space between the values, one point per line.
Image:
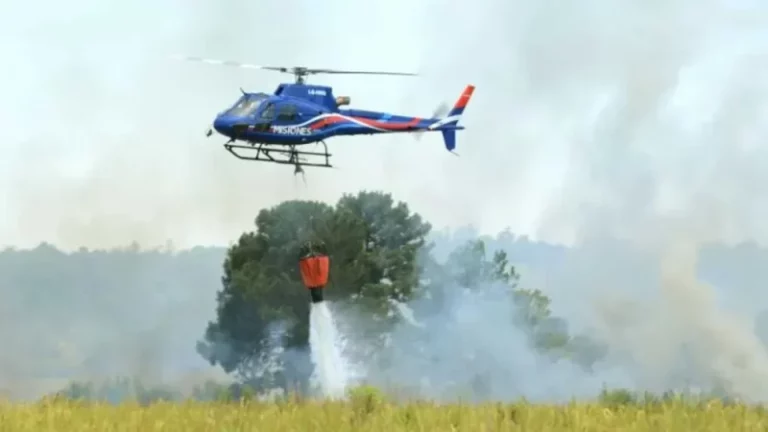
x=380 y=247
x=372 y=242
x=469 y=267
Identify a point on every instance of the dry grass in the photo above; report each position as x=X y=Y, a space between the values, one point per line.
x=373 y=414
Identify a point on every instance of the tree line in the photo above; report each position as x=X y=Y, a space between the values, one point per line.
x=60 y=307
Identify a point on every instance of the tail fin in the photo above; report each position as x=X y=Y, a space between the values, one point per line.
x=458 y=108
x=449 y=138
x=448 y=124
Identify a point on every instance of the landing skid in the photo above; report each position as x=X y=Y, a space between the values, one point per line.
x=281 y=155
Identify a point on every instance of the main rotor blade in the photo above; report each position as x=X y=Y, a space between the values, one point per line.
x=297 y=70
x=227 y=63
x=336 y=71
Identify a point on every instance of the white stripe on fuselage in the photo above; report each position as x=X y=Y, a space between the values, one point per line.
x=326 y=115
x=445 y=121
x=433 y=126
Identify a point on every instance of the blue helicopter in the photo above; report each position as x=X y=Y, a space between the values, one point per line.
x=296 y=114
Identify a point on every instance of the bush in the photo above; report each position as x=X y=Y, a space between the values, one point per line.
x=118 y=390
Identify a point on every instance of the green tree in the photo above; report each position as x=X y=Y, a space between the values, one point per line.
x=380 y=246
x=372 y=242
x=469 y=267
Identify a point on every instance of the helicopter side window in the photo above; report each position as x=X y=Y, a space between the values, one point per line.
x=246 y=106
x=269 y=112
x=287 y=112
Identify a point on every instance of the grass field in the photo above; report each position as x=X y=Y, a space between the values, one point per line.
x=373 y=414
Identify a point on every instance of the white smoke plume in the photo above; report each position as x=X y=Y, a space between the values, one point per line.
x=651 y=116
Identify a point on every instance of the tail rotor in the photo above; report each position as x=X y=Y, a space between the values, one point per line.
x=440 y=111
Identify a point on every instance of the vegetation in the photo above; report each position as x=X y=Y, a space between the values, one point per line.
x=379 y=254
x=374 y=243
x=469 y=267
x=366 y=409
x=79 y=310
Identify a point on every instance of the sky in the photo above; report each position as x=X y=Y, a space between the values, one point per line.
x=585 y=114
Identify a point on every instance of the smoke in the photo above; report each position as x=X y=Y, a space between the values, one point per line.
x=666 y=333
x=671 y=164
x=634 y=122
x=449 y=353
x=719 y=348
x=93 y=317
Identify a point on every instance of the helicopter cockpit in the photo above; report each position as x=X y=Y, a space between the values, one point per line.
x=247 y=105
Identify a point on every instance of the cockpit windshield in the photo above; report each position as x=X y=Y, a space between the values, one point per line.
x=247 y=105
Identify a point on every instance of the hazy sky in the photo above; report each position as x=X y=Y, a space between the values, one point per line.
x=626 y=107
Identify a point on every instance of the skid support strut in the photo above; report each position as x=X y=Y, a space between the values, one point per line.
x=281 y=155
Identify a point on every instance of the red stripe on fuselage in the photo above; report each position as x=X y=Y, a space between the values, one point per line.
x=325 y=122
x=374 y=123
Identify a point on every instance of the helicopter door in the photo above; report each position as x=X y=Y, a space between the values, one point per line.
x=287 y=114
x=265 y=119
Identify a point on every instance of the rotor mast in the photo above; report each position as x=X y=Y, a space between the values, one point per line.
x=300 y=74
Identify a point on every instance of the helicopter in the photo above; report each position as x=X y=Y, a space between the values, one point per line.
x=272 y=126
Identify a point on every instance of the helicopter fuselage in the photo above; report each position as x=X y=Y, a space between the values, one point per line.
x=271 y=126
x=299 y=114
